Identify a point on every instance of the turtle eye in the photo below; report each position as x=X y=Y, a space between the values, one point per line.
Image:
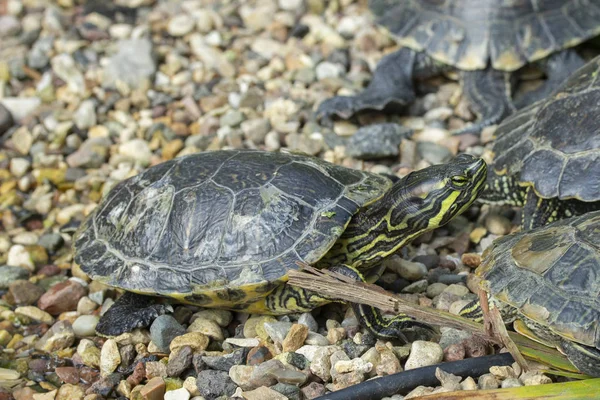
x=459 y=180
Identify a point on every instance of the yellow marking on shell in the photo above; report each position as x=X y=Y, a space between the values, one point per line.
x=508 y=61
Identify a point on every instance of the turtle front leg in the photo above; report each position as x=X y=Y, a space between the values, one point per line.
x=558 y=67
x=391 y=84
x=538 y=211
x=489 y=94
x=129 y=312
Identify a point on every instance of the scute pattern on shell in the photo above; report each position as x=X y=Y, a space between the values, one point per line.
x=551 y=276
x=220 y=220
x=468 y=34
x=555 y=143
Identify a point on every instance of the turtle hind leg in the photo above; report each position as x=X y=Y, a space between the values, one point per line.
x=391 y=84
x=558 y=67
x=489 y=94
x=372 y=319
x=129 y=312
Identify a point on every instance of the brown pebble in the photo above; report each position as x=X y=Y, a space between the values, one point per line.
x=295 y=338
x=49 y=270
x=62 y=297
x=138 y=375
x=154 y=389
x=25 y=293
x=454 y=352
x=68 y=374
x=313 y=390
x=471 y=260
x=475 y=347
x=25 y=393
x=258 y=355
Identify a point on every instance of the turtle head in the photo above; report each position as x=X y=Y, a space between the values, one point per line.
x=419 y=202
x=434 y=195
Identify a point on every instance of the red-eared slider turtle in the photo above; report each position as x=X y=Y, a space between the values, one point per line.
x=547 y=156
x=222 y=229
x=486 y=40
x=550 y=277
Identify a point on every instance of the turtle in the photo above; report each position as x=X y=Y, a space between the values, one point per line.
x=546 y=157
x=546 y=281
x=221 y=229
x=485 y=41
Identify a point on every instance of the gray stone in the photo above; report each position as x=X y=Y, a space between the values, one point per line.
x=85 y=325
x=163 y=330
x=292 y=392
x=51 y=241
x=308 y=320
x=213 y=384
x=433 y=152
x=133 y=63
x=225 y=362
x=6 y=119
x=9 y=274
x=377 y=141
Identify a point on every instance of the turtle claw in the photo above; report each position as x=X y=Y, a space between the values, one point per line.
x=129 y=312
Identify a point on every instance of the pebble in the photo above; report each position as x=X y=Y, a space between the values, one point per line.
x=212 y=384
x=320 y=363
x=510 y=383
x=19 y=109
x=18 y=256
x=226 y=361
x=62 y=297
x=9 y=274
x=310 y=322
x=89 y=353
x=154 y=389
x=181 y=25
x=208 y=327
x=262 y=393
x=423 y=354
x=416 y=287
x=133 y=63
x=85 y=325
x=534 y=378
x=221 y=317
x=163 y=330
x=295 y=337
x=60 y=336
x=179 y=361
x=196 y=340
x=68 y=375
x=276 y=330
x=377 y=141
x=488 y=381
x=25 y=293
x=177 y=394
x=498 y=224
x=313 y=390
x=35 y=314
x=110 y=358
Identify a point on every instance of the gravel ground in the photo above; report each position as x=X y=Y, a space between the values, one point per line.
x=101 y=92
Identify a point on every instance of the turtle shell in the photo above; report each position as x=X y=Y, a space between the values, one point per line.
x=554 y=144
x=469 y=33
x=550 y=275
x=220 y=227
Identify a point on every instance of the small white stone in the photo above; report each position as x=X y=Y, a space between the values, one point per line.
x=110 y=358
x=328 y=69
x=137 y=149
x=19 y=257
x=19 y=166
x=290 y=5
x=178 y=394
x=423 y=354
x=181 y=25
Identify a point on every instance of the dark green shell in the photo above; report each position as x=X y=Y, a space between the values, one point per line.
x=469 y=34
x=551 y=275
x=220 y=220
x=554 y=144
